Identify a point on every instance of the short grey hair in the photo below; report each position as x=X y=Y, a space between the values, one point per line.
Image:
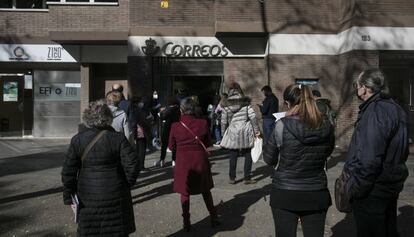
x=373 y=79
x=188 y=106
x=97 y=114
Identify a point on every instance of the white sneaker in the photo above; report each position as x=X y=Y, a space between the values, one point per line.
x=159 y=163
x=173 y=163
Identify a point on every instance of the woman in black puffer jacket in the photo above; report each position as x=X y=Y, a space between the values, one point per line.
x=105 y=177
x=299 y=147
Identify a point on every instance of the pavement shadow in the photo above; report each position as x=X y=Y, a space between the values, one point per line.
x=335 y=159
x=31 y=162
x=8 y=221
x=231 y=214
x=31 y=195
x=405 y=221
x=344 y=228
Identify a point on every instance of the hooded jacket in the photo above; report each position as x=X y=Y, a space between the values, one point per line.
x=237 y=108
x=303 y=154
x=120 y=122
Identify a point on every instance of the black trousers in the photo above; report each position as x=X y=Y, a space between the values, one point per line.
x=140 y=145
x=375 y=217
x=164 y=145
x=286 y=222
x=234 y=154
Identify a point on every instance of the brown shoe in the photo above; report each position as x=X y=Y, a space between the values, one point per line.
x=250 y=181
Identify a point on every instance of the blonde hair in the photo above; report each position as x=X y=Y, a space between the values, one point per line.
x=114 y=98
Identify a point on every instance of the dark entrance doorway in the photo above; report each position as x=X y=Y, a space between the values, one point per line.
x=11 y=105
x=206 y=88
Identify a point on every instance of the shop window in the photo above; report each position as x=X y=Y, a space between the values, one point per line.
x=313 y=83
x=82 y=1
x=6 y=3
x=23 y=4
x=33 y=4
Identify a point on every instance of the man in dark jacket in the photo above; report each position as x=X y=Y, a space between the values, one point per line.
x=168 y=116
x=268 y=108
x=376 y=157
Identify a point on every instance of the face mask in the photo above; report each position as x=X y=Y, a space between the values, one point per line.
x=155 y=95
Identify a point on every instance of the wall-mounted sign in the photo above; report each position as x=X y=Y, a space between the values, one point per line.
x=10 y=91
x=184 y=47
x=57 y=91
x=164 y=4
x=35 y=53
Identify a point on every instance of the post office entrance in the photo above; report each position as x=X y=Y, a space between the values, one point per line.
x=206 y=88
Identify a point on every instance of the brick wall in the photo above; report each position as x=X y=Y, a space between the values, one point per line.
x=89 y=18
x=250 y=74
x=335 y=74
x=14 y=25
x=179 y=13
x=290 y=16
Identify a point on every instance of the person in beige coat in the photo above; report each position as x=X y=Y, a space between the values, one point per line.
x=240 y=127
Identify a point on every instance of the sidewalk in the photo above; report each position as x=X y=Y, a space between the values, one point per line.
x=31 y=200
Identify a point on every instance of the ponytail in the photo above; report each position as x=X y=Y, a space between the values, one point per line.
x=303 y=104
x=308 y=111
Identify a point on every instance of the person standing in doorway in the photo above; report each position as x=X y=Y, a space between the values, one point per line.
x=239 y=127
x=168 y=116
x=376 y=157
x=124 y=103
x=268 y=108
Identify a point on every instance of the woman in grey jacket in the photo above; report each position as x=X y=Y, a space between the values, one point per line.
x=119 y=122
x=239 y=126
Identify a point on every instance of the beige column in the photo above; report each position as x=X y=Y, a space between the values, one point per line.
x=85 y=82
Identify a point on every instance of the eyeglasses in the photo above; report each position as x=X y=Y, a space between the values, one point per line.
x=356 y=86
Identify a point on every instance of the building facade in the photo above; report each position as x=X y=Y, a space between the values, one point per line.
x=59 y=55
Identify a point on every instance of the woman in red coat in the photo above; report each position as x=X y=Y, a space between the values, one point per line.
x=192 y=174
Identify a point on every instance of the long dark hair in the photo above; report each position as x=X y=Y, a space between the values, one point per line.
x=302 y=103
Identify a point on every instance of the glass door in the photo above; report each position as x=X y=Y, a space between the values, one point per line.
x=11 y=105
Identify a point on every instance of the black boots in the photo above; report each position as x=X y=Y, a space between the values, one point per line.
x=186 y=222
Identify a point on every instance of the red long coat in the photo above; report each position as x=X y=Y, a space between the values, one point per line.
x=192 y=174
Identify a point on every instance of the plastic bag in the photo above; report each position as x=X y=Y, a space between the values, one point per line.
x=256 y=151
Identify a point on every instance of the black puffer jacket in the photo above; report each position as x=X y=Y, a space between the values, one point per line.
x=103 y=186
x=303 y=154
x=378 y=150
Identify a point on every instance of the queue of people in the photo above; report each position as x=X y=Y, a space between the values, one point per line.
x=105 y=159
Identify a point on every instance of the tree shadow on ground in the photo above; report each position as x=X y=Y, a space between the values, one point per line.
x=31 y=195
x=10 y=222
x=405 y=221
x=231 y=214
x=345 y=227
x=334 y=160
x=31 y=162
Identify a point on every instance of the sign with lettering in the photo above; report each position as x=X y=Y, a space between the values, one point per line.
x=57 y=91
x=35 y=53
x=164 y=4
x=10 y=91
x=181 y=47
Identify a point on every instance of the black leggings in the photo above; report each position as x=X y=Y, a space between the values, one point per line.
x=286 y=222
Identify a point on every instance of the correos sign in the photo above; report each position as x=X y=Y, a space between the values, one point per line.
x=176 y=50
x=189 y=47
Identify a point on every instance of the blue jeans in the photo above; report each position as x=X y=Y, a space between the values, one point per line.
x=217 y=133
x=268 y=125
x=234 y=154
